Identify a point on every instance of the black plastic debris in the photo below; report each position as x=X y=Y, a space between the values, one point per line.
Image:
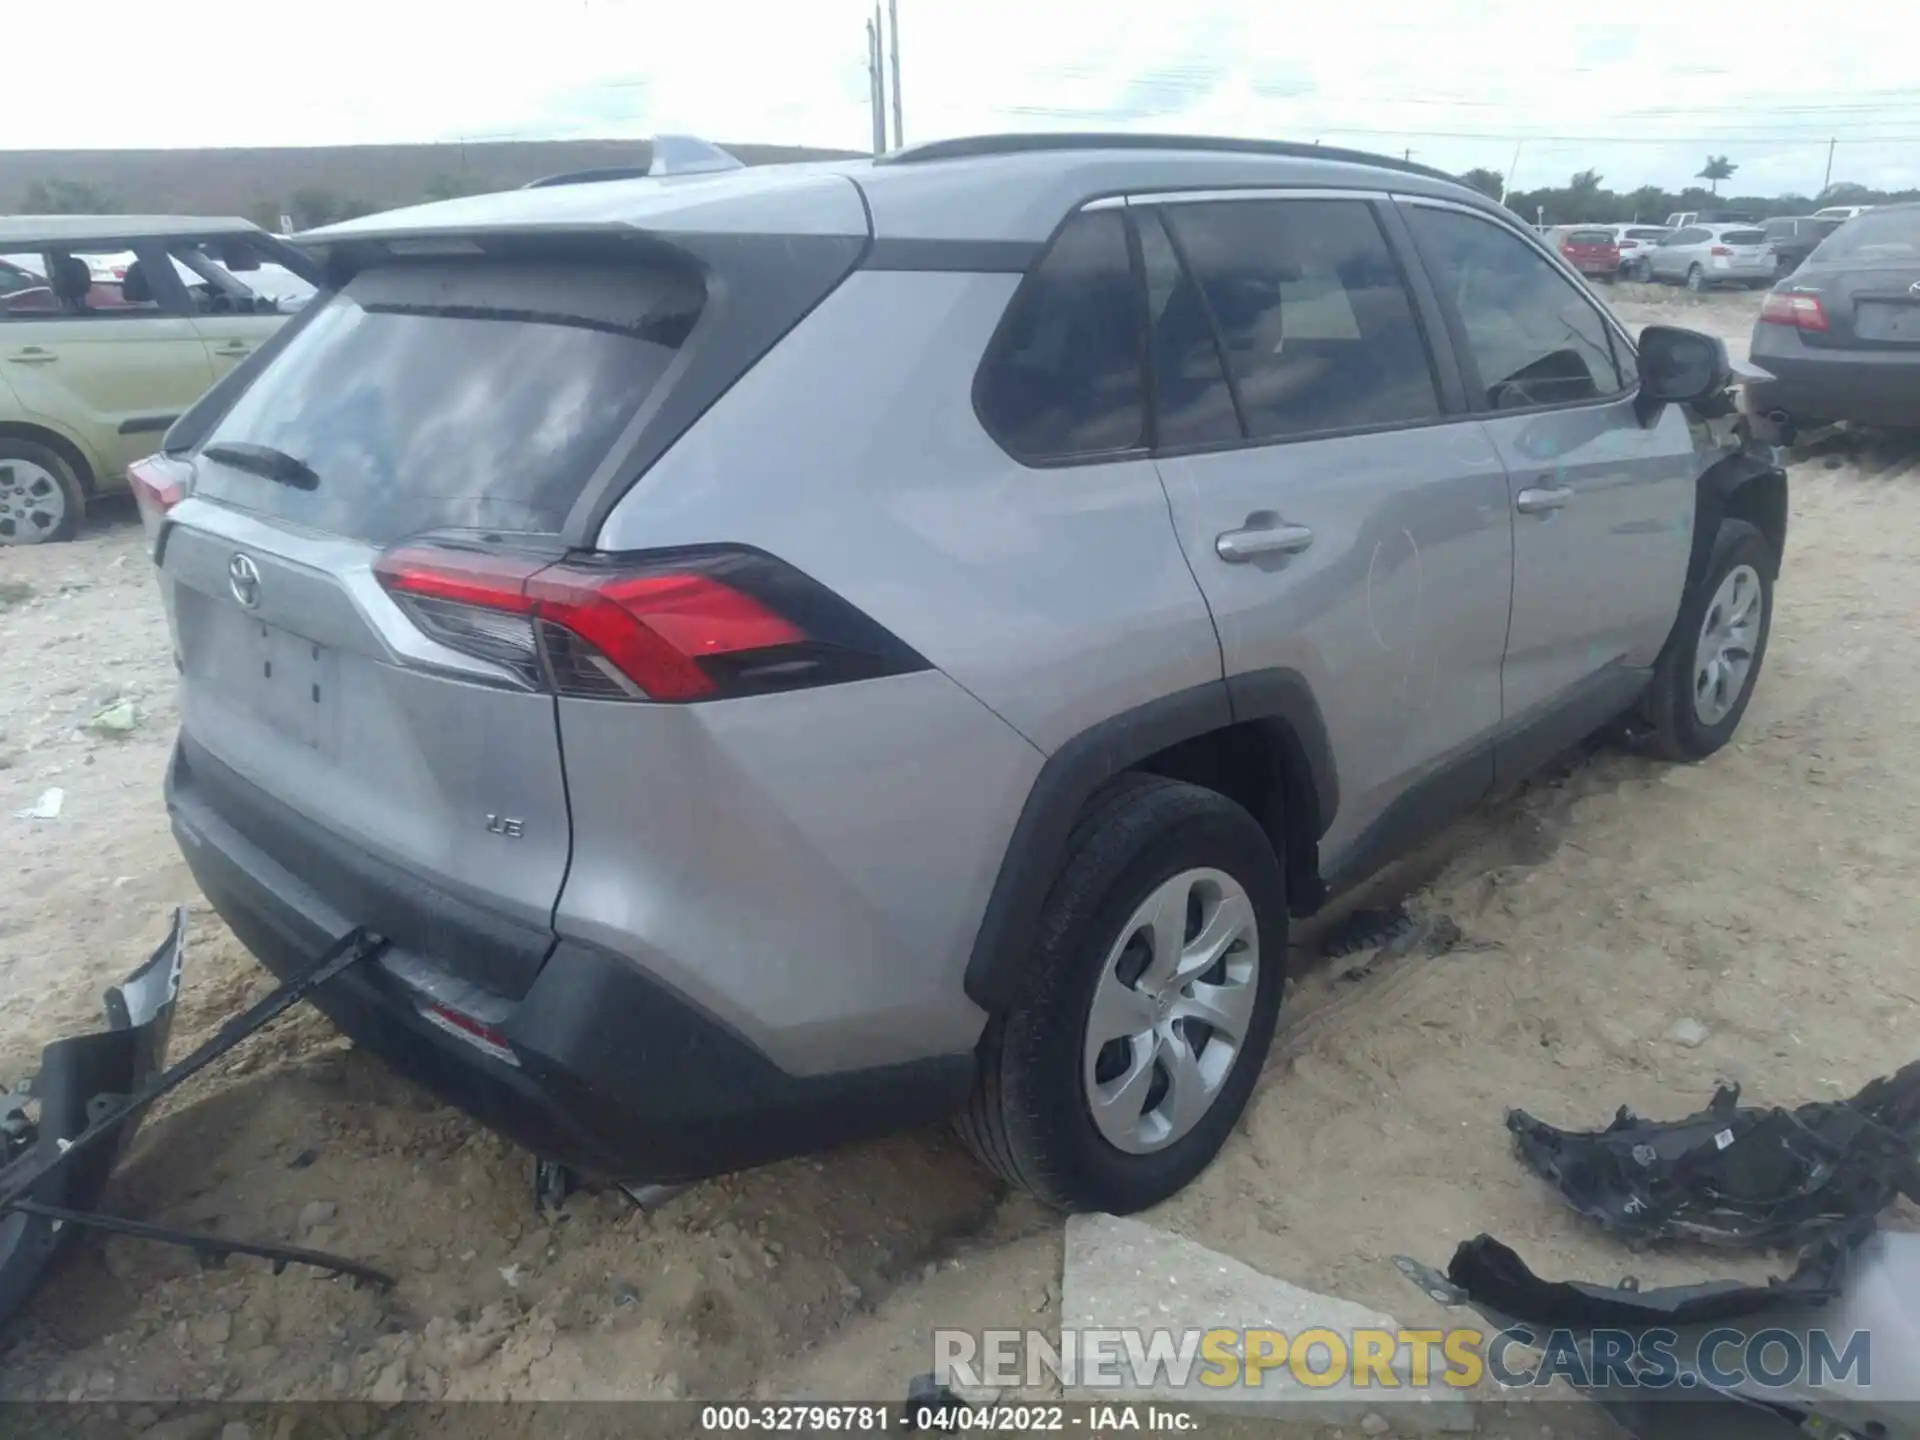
x=932 y=1406
x=1738 y=1175
x=62 y=1130
x=1488 y=1274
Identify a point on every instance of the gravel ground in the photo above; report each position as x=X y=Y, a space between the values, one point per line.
x=1768 y=895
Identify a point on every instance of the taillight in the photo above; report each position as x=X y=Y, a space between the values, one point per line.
x=159 y=483
x=1803 y=312
x=1720 y=250
x=677 y=626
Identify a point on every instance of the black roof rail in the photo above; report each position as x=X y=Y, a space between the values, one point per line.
x=973 y=146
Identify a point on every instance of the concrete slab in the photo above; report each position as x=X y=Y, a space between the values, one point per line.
x=1126 y=1276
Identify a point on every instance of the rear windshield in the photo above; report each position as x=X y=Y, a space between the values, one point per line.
x=1743 y=237
x=1590 y=237
x=1643 y=233
x=429 y=395
x=1879 y=236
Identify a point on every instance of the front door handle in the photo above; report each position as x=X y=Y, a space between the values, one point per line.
x=33 y=355
x=1236 y=547
x=1540 y=501
x=233 y=350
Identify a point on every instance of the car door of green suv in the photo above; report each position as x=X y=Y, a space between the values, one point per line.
x=110 y=371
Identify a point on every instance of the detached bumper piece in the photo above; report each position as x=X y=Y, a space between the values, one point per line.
x=62 y=1131
x=1738 y=1175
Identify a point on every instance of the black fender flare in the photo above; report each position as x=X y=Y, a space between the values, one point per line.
x=1715 y=498
x=1279 y=700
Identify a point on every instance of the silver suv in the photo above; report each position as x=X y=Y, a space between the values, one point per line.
x=788 y=654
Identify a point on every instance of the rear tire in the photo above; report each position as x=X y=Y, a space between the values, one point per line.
x=1696 y=280
x=1693 y=705
x=1055 y=1055
x=40 y=497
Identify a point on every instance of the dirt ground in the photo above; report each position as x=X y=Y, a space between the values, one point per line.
x=1771 y=895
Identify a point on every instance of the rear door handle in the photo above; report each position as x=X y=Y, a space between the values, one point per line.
x=233 y=348
x=1236 y=547
x=1539 y=501
x=33 y=355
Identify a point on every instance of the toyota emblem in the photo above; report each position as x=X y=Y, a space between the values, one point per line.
x=243 y=578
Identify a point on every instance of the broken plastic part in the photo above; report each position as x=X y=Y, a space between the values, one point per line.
x=1738 y=1175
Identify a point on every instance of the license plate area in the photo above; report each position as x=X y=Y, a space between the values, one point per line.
x=1887 y=320
x=283 y=680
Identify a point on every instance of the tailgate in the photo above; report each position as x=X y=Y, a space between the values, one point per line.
x=409 y=799
x=414 y=787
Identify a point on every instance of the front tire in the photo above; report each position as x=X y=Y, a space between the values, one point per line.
x=41 y=500
x=1705 y=677
x=1140 y=1025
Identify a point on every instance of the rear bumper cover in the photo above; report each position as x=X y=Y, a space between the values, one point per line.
x=1870 y=387
x=609 y=1071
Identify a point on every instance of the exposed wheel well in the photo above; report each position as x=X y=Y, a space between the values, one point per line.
x=59 y=444
x=1260 y=766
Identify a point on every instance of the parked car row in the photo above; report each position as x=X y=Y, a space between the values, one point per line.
x=1698 y=249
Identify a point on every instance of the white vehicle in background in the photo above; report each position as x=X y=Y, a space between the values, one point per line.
x=1702 y=256
x=1841 y=212
x=1635 y=242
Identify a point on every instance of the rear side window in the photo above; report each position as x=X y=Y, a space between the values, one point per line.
x=1532 y=335
x=1591 y=237
x=450 y=394
x=1062 y=378
x=1310 y=312
x=1644 y=234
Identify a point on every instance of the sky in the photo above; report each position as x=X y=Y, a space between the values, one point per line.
x=1459 y=83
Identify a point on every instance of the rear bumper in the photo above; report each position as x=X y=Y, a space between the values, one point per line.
x=609 y=1071
x=1869 y=388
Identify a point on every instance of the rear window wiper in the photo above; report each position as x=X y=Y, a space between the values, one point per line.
x=266 y=462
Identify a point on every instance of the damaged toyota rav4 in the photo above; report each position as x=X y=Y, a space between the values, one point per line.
x=781 y=655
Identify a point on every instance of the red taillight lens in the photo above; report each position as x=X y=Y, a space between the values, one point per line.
x=1720 y=250
x=159 y=483
x=669 y=626
x=1803 y=312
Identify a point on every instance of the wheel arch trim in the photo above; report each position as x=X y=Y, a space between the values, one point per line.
x=1073 y=773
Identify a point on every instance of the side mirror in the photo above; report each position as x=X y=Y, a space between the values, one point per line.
x=1680 y=367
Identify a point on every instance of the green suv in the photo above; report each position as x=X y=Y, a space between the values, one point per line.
x=110 y=327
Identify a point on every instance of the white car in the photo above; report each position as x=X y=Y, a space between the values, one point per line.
x=1636 y=242
x=1702 y=256
x=1841 y=212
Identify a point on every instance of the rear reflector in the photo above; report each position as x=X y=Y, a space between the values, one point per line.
x=1803 y=312
x=675 y=626
x=482 y=1036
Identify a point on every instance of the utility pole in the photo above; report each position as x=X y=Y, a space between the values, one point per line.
x=1506 y=180
x=876 y=84
x=1827 y=184
x=1407 y=154
x=893 y=37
